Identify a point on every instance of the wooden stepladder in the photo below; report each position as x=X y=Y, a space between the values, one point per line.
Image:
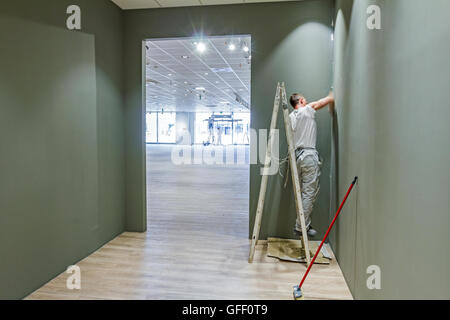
x=280 y=96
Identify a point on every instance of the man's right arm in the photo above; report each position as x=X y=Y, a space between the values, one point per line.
x=319 y=104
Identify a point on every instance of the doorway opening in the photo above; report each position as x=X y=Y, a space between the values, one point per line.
x=198 y=101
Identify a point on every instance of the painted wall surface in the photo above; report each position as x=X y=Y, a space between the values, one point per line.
x=290 y=42
x=392 y=130
x=61 y=138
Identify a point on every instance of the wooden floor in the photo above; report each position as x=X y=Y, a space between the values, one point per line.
x=196 y=246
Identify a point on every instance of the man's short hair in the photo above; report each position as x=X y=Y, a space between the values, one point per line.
x=295 y=99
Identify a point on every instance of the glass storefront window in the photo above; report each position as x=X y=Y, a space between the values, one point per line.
x=241 y=133
x=161 y=127
x=151 y=127
x=203 y=128
x=167 y=132
x=224 y=130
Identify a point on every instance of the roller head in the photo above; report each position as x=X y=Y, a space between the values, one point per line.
x=298 y=293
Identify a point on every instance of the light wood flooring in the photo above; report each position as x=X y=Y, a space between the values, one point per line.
x=196 y=246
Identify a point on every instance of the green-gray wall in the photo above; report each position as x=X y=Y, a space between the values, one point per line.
x=392 y=130
x=291 y=42
x=62 y=160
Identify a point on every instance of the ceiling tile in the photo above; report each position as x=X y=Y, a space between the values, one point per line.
x=254 y=1
x=144 y=4
x=179 y=3
x=136 y=4
x=215 y=2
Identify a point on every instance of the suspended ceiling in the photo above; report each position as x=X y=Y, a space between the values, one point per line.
x=148 y=4
x=180 y=78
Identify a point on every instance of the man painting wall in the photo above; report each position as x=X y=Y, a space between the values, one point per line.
x=304 y=126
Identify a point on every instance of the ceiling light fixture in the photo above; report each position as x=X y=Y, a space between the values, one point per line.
x=201 y=47
x=245 y=48
x=231 y=47
x=200 y=89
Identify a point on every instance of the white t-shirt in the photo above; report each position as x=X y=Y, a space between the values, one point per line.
x=303 y=121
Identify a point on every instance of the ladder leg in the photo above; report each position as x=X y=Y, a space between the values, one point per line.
x=294 y=173
x=265 y=177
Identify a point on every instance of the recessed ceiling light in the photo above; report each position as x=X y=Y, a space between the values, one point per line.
x=200 y=89
x=231 y=47
x=185 y=57
x=169 y=74
x=206 y=73
x=219 y=70
x=245 y=48
x=201 y=47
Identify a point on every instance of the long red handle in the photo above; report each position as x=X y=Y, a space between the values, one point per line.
x=329 y=229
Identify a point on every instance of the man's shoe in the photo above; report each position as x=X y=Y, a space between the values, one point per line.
x=311 y=232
